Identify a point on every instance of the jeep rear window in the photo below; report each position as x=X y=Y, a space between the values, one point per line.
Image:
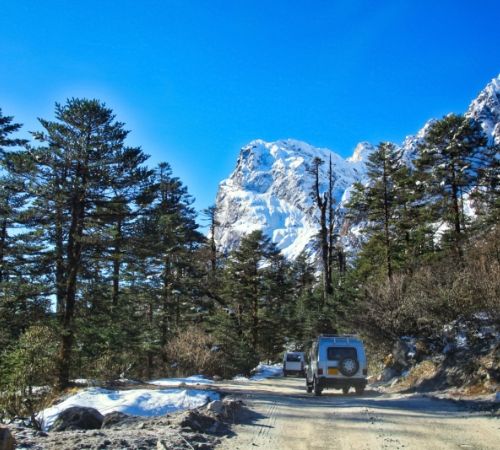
x=338 y=353
x=293 y=358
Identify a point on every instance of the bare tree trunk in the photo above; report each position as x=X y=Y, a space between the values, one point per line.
x=255 y=317
x=322 y=204
x=331 y=226
x=59 y=258
x=386 y=222
x=456 y=213
x=73 y=264
x=117 y=263
x=3 y=243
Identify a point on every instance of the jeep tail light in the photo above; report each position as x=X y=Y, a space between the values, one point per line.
x=320 y=371
x=365 y=371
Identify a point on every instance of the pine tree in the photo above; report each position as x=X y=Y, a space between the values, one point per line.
x=24 y=299
x=12 y=192
x=79 y=168
x=448 y=160
x=168 y=237
x=378 y=202
x=274 y=311
x=211 y=215
x=303 y=307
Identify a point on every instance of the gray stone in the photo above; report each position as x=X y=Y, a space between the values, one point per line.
x=116 y=419
x=216 y=407
x=78 y=418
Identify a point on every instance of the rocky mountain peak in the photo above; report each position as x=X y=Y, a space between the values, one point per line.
x=486 y=109
x=270 y=188
x=361 y=152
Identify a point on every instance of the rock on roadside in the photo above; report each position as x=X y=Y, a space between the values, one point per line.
x=78 y=418
x=199 y=429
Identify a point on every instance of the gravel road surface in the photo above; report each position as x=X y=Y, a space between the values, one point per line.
x=284 y=417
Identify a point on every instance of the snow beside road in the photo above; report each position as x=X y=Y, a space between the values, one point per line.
x=137 y=402
x=172 y=382
x=263 y=371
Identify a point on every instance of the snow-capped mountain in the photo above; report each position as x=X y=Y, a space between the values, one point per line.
x=270 y=188
x=486 y=109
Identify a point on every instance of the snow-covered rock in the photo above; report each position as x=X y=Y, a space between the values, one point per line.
x=136 y=402
x=261 y=372
x=270 y=188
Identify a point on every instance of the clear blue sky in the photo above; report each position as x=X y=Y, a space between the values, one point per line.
x=195 y=80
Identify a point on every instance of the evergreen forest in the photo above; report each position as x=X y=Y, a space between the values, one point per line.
x=106 y=274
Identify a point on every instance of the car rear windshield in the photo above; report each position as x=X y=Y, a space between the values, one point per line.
x=338 y=353
x=293 y=357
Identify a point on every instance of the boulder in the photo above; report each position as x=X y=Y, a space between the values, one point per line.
x=117 y=419
x=78 y=418
x=197 y=421
x=217 y=407
x=7 y=441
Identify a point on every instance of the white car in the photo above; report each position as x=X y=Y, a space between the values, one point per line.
x=293 y=362
x=338 y=362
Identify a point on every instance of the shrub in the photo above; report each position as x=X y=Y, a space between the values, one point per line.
x=420 y=303
x=28 y=373
x=192 y=351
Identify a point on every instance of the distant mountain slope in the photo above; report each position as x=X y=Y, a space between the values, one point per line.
x=271 y=184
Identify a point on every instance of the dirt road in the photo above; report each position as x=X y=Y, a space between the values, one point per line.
x=284 y=417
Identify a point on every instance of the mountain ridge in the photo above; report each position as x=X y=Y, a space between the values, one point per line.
x=271 y=184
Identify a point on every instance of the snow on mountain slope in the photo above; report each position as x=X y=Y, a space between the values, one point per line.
x=270 y=188
x=486 y=109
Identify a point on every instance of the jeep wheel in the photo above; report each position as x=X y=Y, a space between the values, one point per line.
x=317 y=390
x=345 y=390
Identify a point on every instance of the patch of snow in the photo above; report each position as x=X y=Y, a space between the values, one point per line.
x=263 y=371
x=137 y=402
x=172 y=382
x=482 y=316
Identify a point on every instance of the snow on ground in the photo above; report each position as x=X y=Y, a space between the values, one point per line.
x=195 y=379
x=136 y=402
x=263 y=371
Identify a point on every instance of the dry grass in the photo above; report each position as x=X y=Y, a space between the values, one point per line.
x=423 y=371
x=191 y=352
